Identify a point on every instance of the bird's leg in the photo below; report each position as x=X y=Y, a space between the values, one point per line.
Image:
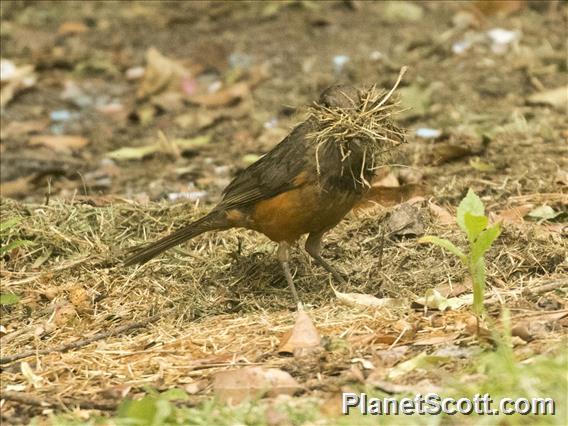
x=284 y=258
x=313 y=247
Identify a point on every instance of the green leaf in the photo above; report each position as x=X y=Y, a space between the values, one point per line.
x=471 y=204
x=9 y=223
x=484 y=242
x=442 y=242
x=174 y=394
x=13 y=245
x=474 y=225
x=9 y=298
x=146 y=411
x=478 y=275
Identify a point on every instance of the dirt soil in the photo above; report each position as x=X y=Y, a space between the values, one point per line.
x=200 y=90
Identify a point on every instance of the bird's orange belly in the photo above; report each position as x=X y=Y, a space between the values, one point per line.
x=291 y=214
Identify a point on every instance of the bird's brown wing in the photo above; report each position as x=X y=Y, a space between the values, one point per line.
x=272 y=174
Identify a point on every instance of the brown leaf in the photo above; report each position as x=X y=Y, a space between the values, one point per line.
x=498 y=7
x=60 y=143
x=161 y=74
x=405 y=220
x=561 y=177
x=18 y=128
x=557 y=97
x=197 y=119
x=474 y=326
x=302 y=339
x=235 y=386
x=388 y=181
x=390 y=196
x=455 y=290
x=72 y=28
x=367 y=300
x=436 y=340
x=14 y=80
x=445 y=153
x=17 y=187
x=536 y=325
x=387 y=358
x=522 y=330
x=444 y=217
x=514 y=214
x=371 y=339
x=224 y=96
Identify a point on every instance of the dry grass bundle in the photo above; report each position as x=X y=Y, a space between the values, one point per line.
x=368 y=124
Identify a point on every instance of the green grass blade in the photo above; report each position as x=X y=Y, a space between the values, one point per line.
x=9 y=223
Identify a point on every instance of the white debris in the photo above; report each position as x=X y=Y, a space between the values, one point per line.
x=427 y=133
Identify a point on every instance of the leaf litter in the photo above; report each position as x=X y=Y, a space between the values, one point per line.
x=213 y=340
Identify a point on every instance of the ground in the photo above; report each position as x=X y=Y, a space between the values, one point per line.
x=199 y=90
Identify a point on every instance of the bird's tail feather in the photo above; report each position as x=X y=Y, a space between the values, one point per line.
x=142 y=255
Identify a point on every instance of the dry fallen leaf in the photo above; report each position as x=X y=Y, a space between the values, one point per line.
x=497 y=7
x=164 y=146
x=405 y=220
x=454 y=290
x=436 y=340
x=162 y=74
x=30 y=376
x=557 y=97
x=536 y=325
x=60 y=143
x=235 y=386
x=443 y=216
x=445 y=153
x=358 y=300
x=72 y=28
x=514 y=214
x=18 y=128
x=14 y=79
x=303 y=338
x=17 y=187
x=222 y=97
x=388 y=181
x=390 y=196
x=434 y=300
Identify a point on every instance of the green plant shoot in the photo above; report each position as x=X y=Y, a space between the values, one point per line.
x=473 y=222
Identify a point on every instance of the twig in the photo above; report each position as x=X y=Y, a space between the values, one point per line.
x=28 y=399
x=389 y=94
x=81 y=342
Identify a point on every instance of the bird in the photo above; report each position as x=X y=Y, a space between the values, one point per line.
x=308 y=182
